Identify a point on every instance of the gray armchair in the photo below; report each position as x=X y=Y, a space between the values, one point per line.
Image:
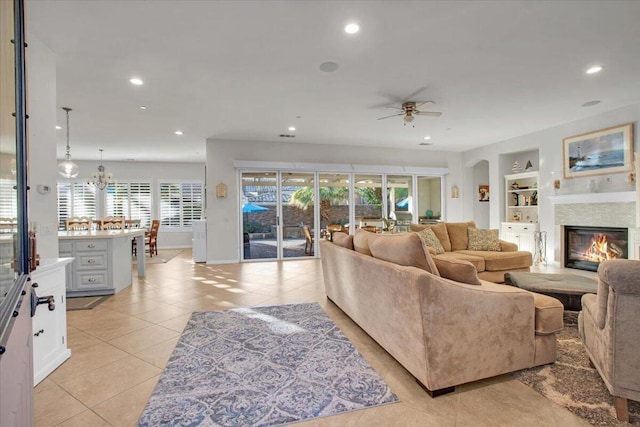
x=609 y=325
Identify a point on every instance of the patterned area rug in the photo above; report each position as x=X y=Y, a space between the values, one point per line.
x=262 y=366
x=572 y=383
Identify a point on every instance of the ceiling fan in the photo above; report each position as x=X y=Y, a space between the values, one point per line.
x=410 y=109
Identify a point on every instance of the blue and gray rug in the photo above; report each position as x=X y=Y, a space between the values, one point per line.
x=262 y=366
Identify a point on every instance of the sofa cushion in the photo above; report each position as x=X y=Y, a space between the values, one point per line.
x=458 y=234
x=429 y=238
x=483 y=240
x=361 y=241
x=458 y=270
x=343 y=239
x=477 y=261
x=497 y=261
x=549 y=314
x=402 y=249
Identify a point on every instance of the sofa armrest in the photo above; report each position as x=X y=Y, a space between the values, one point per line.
x=508 y=246
x=621 y=275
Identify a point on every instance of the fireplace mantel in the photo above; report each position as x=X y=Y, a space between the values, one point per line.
x=619 y=197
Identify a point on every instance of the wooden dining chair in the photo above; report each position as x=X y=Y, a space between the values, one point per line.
x=131 y=224
x=111 y=223
x=150 y=239
x=79 y=223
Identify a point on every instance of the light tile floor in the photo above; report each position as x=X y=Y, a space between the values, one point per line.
x=120 y=348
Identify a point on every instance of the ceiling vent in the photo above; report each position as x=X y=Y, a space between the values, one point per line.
x=287 y=135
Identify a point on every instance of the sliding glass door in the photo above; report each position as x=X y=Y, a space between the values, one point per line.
x=298 y=218
x=260 y=215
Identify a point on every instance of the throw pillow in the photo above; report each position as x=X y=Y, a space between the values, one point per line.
x=361 y=241
x=402 y=249
x=458 y=270
x=483 y=240
x=343 y=239
x=430 y=239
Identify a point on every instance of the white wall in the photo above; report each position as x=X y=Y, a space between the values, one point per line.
x=153 y=172
x=223 y=214
x=548 y=142
x=41 y=107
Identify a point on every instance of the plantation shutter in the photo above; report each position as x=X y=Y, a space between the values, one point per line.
x=140 y=202
x=180 y=203
x=117 y=200
x=84 y=200
x=64 y=204
x=8 y=199
x=191 y=203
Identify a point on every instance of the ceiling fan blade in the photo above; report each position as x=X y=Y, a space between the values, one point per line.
x=425 y=104
x=428 y=113
x=393 y=115
x=408 y=98
x=394 y=107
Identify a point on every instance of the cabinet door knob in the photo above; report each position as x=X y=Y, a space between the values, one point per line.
x=91 y=245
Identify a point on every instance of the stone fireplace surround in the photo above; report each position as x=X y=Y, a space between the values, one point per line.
x=593 y=210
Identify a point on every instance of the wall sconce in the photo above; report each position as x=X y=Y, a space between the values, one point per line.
x=221 y=191
x=455 y=193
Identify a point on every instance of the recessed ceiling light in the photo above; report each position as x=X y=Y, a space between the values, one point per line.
x=352 y=28
x=142 y=107
x=178 y=132
x=136 y=81
x=328 y=67
x=427 y=137
x=594 y=69
x=58 y=127
x=292 y=128
x=591 y=103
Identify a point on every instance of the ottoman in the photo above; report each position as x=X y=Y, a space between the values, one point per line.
x=568 y=288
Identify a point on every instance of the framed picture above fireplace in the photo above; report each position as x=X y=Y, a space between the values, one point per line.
x=604 y=151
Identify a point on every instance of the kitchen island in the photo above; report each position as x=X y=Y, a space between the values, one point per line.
x=103 y=260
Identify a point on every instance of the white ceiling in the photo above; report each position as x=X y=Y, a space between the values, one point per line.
x=245 y=70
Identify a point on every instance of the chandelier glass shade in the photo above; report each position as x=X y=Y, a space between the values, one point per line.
x=101 y=178
x=67 y=168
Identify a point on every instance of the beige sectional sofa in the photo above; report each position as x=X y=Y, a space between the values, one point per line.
x=444 y=332
x=491 y=265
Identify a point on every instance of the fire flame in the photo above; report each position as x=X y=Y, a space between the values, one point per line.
x=601 y=250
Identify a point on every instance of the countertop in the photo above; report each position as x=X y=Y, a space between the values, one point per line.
x=100 y=234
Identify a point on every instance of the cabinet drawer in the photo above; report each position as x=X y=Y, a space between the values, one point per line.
x=519 y=228
x=91 y=261
x=91 y=245
x=65 y=247
x=91 y=281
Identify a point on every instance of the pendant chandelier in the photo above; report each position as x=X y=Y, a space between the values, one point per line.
x=67 y=168
x=101 y=178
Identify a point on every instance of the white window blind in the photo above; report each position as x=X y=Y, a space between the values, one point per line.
x=8 y=198
x=130 y=200
x=75 y=199
x=180 y=203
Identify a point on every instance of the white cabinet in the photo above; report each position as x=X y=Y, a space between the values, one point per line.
x=50 y=326
x=102 y=266
x=521 y=234
x=521 y=198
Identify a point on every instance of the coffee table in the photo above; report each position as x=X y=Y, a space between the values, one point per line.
x=568 y=288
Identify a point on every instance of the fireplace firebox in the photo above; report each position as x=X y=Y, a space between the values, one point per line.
x=586 y=247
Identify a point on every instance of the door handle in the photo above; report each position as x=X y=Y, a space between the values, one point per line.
x=36 y=301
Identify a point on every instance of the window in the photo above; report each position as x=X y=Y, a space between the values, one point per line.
x=75 y=199
x=180 y=203
x=130 y=200
x=8 y=198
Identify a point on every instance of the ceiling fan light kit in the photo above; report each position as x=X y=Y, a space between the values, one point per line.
x=410 y=109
